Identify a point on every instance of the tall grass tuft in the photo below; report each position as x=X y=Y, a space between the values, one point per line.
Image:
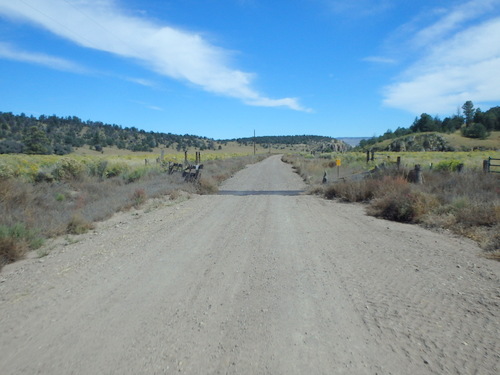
x=15 y=241
x=139 y=197
x=78 y=224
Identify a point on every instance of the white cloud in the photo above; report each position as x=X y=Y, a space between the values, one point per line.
x=458 y=62
x=453 y=20
x=286 y=102
x=11 y=53
x=171 y=52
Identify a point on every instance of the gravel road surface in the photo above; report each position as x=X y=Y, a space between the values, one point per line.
x=259 y=279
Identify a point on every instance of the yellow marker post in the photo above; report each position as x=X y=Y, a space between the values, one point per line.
x=338 y=167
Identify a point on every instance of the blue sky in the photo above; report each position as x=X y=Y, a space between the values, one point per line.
x=224 y=68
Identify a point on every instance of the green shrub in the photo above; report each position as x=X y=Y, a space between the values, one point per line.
x=475 y=130
x=60 y=197
x=116 y=170
x=449 y=165
x=98 y=168
x=6 y=171
x=135 y=175
x=69 y=169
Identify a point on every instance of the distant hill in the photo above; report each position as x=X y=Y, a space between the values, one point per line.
x=60 y=135
x=312 y=142
x=434 y=141
x=475 y=125
x=284 y=139
x=352 y=141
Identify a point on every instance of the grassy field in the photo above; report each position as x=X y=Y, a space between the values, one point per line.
x=227 y=148
x=313 y=167
x=29 y=167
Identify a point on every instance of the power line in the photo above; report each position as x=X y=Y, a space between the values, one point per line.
x=101 y=26
x=57 y=22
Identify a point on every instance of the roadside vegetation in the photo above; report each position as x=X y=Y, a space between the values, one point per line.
x=456 y=195
x=43 y=196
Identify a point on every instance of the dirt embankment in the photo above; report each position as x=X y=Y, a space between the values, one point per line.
x=258 y=280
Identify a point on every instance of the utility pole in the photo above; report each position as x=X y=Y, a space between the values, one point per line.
x=254 y=142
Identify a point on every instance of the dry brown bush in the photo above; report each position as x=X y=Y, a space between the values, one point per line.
x=139 y=196
x=11 y=250
x=78 y=225
x=207 y=185
x=355 y=191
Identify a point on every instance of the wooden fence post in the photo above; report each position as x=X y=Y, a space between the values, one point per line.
x=398 y=162
x=418 y=174
x=373 y=155
x=486 y=166
x=185 y=157
x=415 y=175
x=367 y=156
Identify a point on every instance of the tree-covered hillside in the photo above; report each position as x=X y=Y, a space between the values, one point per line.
x=314 y=143
x=472 y=123
x=59 y=135
x=284 y=139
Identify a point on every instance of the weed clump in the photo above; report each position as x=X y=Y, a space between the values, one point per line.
x=78 y=225
x=207 y=185
x=15 y=241
x=139 y=197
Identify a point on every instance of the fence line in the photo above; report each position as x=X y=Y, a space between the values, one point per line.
x=487 y=165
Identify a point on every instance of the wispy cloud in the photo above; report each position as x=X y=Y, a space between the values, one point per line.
x=141 y=81
x=172 y=52
x=147 y=105
x=453 y=20
x=380 y=60
x=11 y=53
x=459 y=60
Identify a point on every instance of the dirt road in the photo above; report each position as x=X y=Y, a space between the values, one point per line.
x=257 y=280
